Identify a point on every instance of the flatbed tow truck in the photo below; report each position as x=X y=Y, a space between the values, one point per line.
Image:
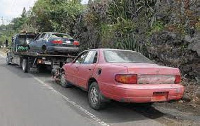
x=30 y=60
x=33 y=61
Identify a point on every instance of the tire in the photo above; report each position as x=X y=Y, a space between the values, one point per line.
x=44 y=49
x=8 y=60
x=25 y=65
x=63 y=81
x=21 y=60
x=96 y=100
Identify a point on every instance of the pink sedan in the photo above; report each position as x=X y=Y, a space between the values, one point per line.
x=121 y=75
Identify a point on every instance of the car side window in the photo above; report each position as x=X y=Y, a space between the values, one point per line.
x=91 y=57
x=37 y=37
x=81 y=58
x=46 y=36
x=42 y=36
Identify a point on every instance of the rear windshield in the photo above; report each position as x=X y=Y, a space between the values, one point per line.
x=57 y=35
x=123 y=56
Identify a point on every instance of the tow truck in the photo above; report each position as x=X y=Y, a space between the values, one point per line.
x=32 y=61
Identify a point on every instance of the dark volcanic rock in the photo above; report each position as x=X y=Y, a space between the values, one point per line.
x=172 y=50
x=195 y=44
x=198 y=93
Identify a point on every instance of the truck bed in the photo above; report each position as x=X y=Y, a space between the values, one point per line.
x=34 y=54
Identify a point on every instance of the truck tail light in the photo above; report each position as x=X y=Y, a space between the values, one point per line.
x=40 y=61
x=126 y=78
x=57 y=41
x=177 y=79
x=76 y=43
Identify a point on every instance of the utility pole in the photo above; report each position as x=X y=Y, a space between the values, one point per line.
x=2 y=21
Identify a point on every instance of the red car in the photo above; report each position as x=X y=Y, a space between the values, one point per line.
x=121 y=75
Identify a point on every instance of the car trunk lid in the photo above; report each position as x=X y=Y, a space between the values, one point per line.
x=64 y=42
x=152 y=73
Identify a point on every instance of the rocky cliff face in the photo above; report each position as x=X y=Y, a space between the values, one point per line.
x=194 y=43
x=178 y=44
x=173 y=50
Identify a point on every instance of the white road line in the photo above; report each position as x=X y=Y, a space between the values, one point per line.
x=72 y=102
x=68 y=100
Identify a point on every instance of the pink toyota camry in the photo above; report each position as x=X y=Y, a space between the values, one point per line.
x=122 y=75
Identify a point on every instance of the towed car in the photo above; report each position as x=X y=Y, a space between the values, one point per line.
x=121 y=75
x=54 y=43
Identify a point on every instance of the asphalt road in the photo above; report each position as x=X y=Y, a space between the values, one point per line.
x=34 y=99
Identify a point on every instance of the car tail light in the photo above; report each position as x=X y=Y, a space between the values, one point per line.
x=177 y=79
x=57 y=41
x=76 y=43
x=126 y=78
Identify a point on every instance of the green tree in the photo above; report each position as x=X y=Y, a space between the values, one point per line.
x=56 y=15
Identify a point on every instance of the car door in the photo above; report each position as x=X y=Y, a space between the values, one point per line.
x=72 y=69
x=86 y=68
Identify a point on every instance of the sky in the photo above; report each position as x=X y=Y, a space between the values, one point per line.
x=10 y=9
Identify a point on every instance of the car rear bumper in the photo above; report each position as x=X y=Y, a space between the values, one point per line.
x=144 y=93
x=53 y=49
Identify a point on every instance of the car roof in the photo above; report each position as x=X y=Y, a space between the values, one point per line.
x=104 y=49
x=54 y=33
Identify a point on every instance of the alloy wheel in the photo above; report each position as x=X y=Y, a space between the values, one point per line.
x=94 y=95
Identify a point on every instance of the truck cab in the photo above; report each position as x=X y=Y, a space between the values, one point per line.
x=20 y=44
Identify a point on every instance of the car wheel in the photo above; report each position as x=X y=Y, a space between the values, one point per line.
x=44 y=49
x=95 y=98
x=63 y=81
x=8 y=60
x=25 y=65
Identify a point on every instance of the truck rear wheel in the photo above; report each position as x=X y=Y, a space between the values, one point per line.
x=8 y=60
x=25 y=65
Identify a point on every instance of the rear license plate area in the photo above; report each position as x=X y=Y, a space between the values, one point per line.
x=47 y=62
x=159 y=96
